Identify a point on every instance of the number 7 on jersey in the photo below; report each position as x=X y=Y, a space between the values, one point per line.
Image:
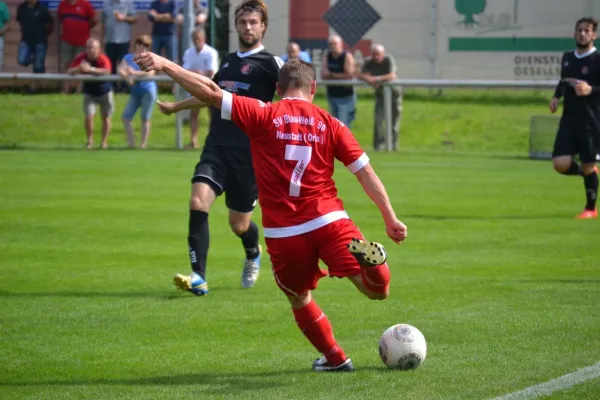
x=302 y=154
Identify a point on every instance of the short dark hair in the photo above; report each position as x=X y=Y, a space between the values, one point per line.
x=588 y=20
x=257 y=6
x=296 y=74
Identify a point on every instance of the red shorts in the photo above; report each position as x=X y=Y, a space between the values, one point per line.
x=295 y=259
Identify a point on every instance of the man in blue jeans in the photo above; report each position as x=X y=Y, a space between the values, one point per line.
x=339 y=65
x=163 y=14
x=36 y=25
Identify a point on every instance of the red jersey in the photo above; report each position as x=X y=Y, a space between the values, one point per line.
x=294 y=145
x=75 y=20
x=94 y=88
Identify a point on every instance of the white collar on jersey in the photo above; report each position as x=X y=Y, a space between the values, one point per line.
x=587 y=53
x=294 y=98
x=250 y=52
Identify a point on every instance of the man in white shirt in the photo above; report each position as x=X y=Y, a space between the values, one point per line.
x=204 y=60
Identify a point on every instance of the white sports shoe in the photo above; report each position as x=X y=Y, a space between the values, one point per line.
x=321 y=365
x=251 y=271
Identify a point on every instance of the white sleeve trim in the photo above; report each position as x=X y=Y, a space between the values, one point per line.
x=226 y=105
x=359 y=163
x=279 y=61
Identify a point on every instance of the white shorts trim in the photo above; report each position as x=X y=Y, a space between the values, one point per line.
x=210 y=179
x=311 y=225
x=290 y=291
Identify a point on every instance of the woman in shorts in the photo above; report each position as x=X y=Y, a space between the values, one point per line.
x=142 y=92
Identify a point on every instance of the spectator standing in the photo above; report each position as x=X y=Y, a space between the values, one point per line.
x=339 y=65
x=142 y=94
x=293 y=52
x=163 y=14
x=94 y=62
x=204 y=60
x=377 y=69
x=36 y=25
x=4 y=19
x=200 y=17
x=76 y=18
x=117 y=17
x=200 y=14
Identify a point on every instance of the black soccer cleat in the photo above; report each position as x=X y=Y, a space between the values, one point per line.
x=368 y=254
x=321 y=365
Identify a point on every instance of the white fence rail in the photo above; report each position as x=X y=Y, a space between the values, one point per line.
x=422 y=83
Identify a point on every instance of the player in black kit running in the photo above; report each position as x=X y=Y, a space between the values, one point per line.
x=579 y=129
x=226 y=164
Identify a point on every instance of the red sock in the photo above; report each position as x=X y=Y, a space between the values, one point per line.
x=376 y=279
x=315 y=325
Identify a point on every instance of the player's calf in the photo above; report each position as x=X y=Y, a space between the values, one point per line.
x=374 y=273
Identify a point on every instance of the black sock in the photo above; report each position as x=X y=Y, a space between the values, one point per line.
x=250 y=241
x=574 y=169
x=591 y=190
x=198 y=241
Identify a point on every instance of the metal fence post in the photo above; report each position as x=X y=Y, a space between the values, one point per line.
x=179 y=120
x=387 y=104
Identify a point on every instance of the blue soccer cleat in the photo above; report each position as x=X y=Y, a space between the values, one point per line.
x=191 y=283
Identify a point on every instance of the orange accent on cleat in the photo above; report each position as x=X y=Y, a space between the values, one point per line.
x=587 y=214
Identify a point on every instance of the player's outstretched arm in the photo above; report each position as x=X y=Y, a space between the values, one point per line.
x=197 y=85
x=374 y=188
x=187 y=104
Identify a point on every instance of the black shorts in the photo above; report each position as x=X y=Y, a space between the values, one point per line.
x=572 y=139
x=229 y=169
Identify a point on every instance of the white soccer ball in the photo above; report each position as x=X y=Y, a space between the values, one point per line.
x=402 y=347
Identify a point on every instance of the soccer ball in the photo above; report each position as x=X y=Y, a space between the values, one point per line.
x=402 y=347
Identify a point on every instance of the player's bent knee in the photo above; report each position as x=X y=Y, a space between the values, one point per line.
x=197 y=203
x=561 y=165
x=239 y=222
x=299 y=301
x=587 y=169
x=379 y=295
x=239 y=227
x=202 y=198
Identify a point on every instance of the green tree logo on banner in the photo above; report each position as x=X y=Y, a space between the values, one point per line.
x=469 y=8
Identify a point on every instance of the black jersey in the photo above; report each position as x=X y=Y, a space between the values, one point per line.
x=252 y=74
x=338 y=65
x=580 y=110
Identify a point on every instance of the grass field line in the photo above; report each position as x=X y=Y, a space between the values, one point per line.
x=554 y=385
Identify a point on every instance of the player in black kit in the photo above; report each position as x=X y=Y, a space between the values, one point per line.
x=225 y=164
x=579 y=129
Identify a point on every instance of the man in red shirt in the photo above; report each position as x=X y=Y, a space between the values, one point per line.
x=76 y=18
x=294 y=145
x=94 y=62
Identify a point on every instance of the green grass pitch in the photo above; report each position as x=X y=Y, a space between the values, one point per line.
x=496 y=273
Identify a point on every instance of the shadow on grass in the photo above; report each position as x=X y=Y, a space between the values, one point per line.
x=126 y=295
x=219 y=383
x=223 y=382
x=566 y=281
x=478 y=217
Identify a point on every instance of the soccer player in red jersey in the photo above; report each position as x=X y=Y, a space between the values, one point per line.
x=294 y=145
